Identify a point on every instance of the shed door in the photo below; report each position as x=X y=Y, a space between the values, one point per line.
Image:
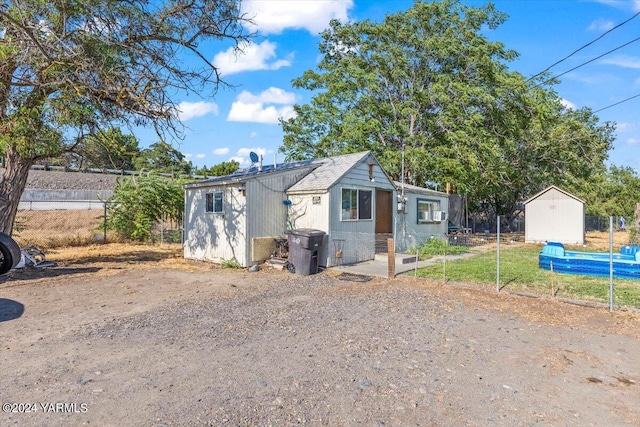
x=384 y=211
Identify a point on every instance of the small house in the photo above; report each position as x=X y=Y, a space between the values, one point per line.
x=554 y=215
x=349 y=197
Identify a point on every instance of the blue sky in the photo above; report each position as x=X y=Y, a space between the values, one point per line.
x=245 y=118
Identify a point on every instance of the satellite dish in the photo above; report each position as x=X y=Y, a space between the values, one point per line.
x=254 y=157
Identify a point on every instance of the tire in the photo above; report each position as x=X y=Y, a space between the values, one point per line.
x=10 y=252
x=291 y=267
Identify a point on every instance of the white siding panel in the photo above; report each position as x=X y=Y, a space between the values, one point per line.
x=304 y=213
x=215 y=236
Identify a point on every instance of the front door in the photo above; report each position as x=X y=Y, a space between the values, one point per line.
x=384 y=219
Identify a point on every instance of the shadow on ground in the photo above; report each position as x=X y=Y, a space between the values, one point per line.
x=37 y=273
x=10 y=309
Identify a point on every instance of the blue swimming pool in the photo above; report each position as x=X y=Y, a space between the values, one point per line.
x=626 y=264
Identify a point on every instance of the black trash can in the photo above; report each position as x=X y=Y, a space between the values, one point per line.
x=305 y=245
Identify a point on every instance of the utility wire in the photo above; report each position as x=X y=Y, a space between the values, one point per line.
x=589 y=61
x=617 y=103
x=579 y=49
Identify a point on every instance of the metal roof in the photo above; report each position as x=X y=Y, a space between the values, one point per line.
x=416 y=189
x=251 y=172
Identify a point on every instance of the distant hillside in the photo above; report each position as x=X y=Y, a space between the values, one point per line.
x=54 y=180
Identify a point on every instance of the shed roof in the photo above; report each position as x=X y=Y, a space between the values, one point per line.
x=330 y=170
x=421 y=190
x=553 y=187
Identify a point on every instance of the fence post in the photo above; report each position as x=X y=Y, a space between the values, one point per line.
x=391 y=259
x=104 y=224
x=610 y=263
x=498 y=256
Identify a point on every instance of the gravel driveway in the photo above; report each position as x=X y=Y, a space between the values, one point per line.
x=202 y=346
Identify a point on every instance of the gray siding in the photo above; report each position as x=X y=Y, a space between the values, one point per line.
x=357 y=238
x=266 y=212
x=410 y=233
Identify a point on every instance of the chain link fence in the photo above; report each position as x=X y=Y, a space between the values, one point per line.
x=602 y=271
x=51 y=224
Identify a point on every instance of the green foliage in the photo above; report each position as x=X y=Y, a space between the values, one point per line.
x=138 y=203
x=230 y=263
x=427 y=81
x=612 y=193
x=221 y=169
x=71 y=68
x=437 y=247
x=110 y=149
x=162 y=157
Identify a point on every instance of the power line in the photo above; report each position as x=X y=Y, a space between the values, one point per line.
x=617 y=103
x=579 y=49
x=590 y=61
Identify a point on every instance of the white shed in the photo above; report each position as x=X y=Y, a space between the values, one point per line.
x=554 y=215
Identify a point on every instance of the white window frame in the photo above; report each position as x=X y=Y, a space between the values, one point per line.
x=431 y=207
x=343 y=210
x=210 y=201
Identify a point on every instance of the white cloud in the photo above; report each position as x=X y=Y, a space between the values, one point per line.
x=272 y=17
x=253 y=135
x=273 y=95
x=221 y=151
x=568 y=104
x=601 y=25
x=189 y=110
x=242 y=161
x=626 y=126
x=621 y=4
x=252 y=108
x=242 y=155
x=201 y=156
x=188 y=156
x=633 y=141
x=252 y=57
x=625 y=61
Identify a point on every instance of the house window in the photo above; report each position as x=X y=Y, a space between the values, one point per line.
x=429 y=211
x=214 y=202
x=356 y=204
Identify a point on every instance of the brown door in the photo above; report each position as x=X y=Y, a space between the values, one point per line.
x=384 y=211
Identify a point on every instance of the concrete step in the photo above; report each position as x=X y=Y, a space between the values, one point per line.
x=400 y=258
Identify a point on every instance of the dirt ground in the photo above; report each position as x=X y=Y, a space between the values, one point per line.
x=150 y=339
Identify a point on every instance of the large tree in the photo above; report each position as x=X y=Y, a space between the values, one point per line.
x=109 y=149
x=71 y=67
x=428 y=83
x=162 y=157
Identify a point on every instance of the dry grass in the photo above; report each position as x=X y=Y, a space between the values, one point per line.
x=50 y=229
x=125 y=255
x=599 y=240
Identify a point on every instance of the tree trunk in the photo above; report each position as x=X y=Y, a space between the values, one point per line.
x=12 y=183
